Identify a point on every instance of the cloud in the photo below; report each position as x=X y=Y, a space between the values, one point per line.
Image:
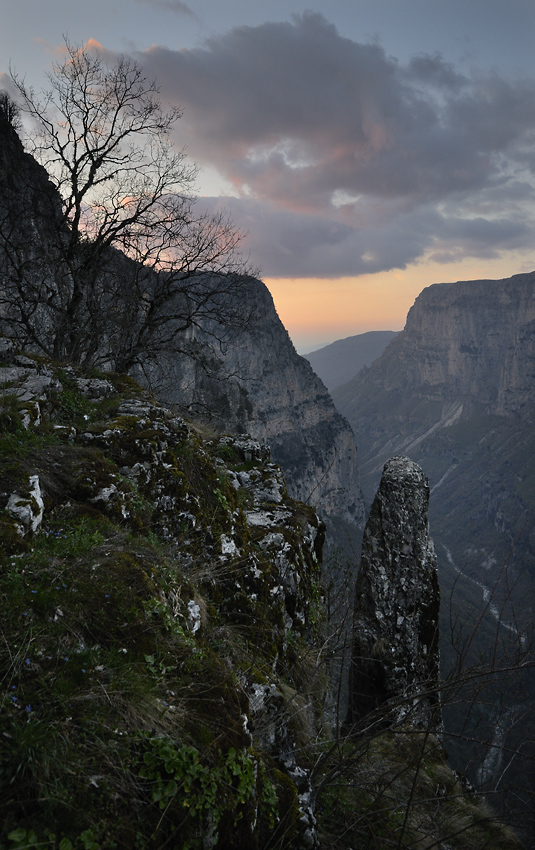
x=7 y=85
x=435 y=71
x=286 y=243
x=171 y=6
x=357 y=154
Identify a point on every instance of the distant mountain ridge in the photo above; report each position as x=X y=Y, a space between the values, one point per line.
x=340 y=361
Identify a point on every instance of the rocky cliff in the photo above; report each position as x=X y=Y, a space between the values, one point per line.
x=464 y=343
x=257 y=384
x=30 y=216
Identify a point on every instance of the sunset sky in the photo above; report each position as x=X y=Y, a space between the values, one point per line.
x=369 y=147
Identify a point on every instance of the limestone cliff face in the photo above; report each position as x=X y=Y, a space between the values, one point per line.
x=30 y=221
x=395 y=662
x=24 y=182
x=257 y=384
x=477 y=340
x=465 y=342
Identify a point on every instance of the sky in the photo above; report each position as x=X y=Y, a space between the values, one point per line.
x=369 y=148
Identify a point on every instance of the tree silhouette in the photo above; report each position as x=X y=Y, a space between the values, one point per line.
x=130 y=263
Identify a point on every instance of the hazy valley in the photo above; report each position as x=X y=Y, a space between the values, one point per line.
x=340 y=361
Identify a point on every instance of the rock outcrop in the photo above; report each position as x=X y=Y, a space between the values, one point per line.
x=197 y=575
x=395 y=662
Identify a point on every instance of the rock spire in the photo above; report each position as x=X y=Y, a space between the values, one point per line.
x=395 y=657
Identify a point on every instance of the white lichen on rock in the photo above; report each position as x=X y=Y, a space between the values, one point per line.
x=27 y=509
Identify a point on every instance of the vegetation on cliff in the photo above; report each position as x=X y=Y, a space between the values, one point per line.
x=164 y=645
x=145 y=621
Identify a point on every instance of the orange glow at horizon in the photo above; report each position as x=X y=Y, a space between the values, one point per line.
x=317 y=311
x=61 y=50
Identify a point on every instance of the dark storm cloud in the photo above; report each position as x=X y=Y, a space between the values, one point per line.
x=354 y=152
x=433 y=70
x=286 y=243
x=170 y=5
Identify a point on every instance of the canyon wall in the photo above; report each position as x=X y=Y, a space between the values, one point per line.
x=256 y=383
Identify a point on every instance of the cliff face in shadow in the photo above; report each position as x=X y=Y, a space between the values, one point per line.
x=256 y=383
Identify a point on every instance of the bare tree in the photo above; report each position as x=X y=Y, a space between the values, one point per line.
x=131 y=264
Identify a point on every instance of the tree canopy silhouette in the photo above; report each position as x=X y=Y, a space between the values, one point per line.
x=127 y=263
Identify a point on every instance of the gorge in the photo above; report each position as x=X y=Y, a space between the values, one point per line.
x=455 y=392
x=167 y=652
